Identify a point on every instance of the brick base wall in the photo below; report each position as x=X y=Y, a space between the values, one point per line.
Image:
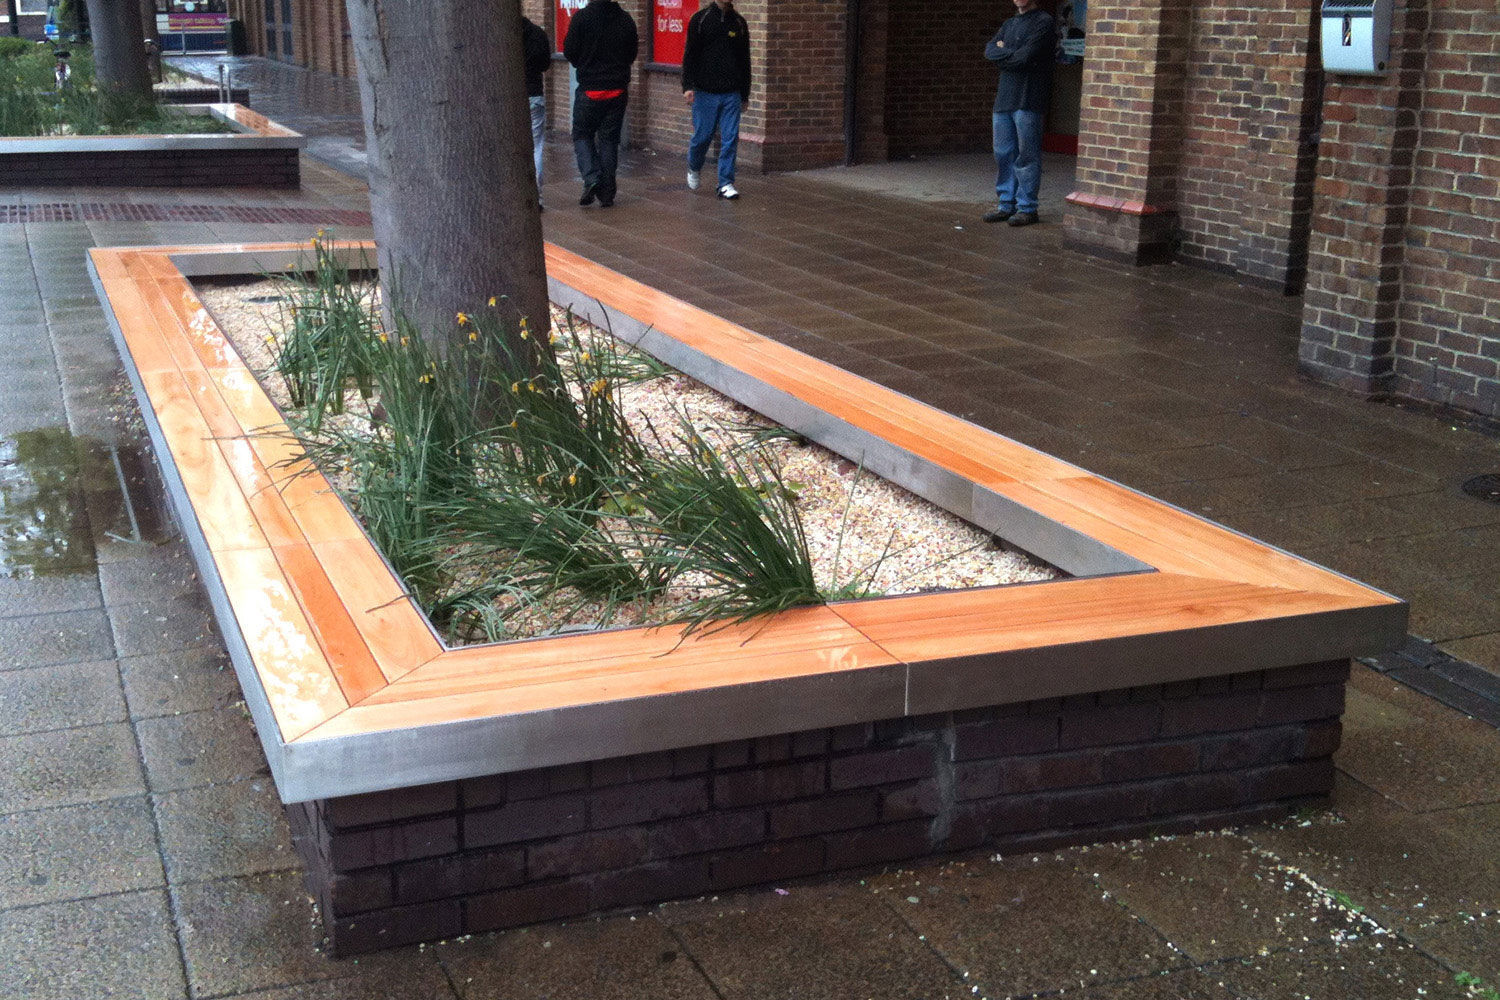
x=423 y=863
x=142 y=168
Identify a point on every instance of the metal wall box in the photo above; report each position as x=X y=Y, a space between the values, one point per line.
x=1356 y=36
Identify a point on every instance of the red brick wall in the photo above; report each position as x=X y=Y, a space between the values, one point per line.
x=1403 y=282
x=940 y=88
x=801 y=66
x=154 y=168
x=422 y=863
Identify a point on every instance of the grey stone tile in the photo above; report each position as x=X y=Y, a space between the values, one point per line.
x=576 y=961
x=385 y=980
x=1366 y=968
x=186 y=680
x=1189 y=984
x=50 y=855
x=1469 y=942
x=68 y=766
x=158 y=626
x=117 y=946
x=64 y=637
x=200 y=748
x=158 y=573
x=829 y=941
x=60 y=697
x=224 y=830
x=49 y=594
x=255 y=933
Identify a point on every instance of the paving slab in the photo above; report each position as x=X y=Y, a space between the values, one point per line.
x=829 y=941
x=74 y=852
x=62 y=637
x=68 y=766
x=188 y=680
x=1014 y=926
x=213 y=747
x=1361 y=970
x=23 y=595
x=625 y=956
x=158 y=626
x=1190 y=984
x=1213 y=895
x=60 y=697
x=216 y=831
x=1467 y=942
x=426 y=982
x=115 y=946
x=159 y=573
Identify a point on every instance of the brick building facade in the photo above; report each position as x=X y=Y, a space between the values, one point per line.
x=1207 y=133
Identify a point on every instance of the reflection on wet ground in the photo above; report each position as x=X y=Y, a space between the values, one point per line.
x=61 y=495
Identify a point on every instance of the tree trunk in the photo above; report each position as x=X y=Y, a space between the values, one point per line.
x=452 y=193
x=153 y=38
x=119 y=47
x=13 y=16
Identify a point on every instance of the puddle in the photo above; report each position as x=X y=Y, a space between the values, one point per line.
x=61 y=496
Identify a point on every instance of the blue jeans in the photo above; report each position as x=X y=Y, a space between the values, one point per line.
x=715 y=113
x=538 y=137
x=1018 y=159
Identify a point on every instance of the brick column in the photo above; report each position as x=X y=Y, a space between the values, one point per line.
x=1130 y=129
x=1350 y=314
x=799 y=65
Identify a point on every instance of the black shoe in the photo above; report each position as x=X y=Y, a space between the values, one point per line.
x=606 y=200
x=589 y=191
x=998 y=214
x=1024 y=219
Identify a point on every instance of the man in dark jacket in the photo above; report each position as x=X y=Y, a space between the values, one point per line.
x=1023 y=49
x=601 y=44
x=537 y=51
x=716 y=82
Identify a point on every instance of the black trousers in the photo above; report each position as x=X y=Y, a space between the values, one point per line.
x=596 y=140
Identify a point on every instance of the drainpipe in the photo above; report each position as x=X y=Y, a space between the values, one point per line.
x=851 y=80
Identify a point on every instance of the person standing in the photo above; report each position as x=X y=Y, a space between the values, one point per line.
x=716 y=83
x=536 y=50
x=601 y=44
x=1023 y=50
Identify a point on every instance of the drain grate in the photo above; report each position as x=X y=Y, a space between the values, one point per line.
x=1485 y=487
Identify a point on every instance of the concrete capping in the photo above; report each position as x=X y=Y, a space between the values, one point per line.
x=254 y=132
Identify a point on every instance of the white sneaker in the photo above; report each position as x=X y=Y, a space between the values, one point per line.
x=692 y=180
x=728 y=191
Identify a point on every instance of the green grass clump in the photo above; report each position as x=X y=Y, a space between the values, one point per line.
x=499 y=472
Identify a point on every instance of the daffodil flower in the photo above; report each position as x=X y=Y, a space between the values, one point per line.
x=462 y=319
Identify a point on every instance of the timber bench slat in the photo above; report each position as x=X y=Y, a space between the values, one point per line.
x=340 y=652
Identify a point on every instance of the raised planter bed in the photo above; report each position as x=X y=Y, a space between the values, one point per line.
x=1184 y=676
x=260 y=154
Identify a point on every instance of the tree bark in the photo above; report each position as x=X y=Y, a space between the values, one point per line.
x=150 y=35
x=13 y=16
x=119 y=47
x=452 y=191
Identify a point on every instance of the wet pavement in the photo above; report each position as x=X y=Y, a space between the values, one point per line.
x=142 y=852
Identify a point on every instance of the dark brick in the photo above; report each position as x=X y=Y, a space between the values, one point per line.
x=358 y=891
x=528 y=904
x=528 y=820
x=770 y=784
x=395 y=926
x=650 y=883
x=893 y=842
x=925 y=798
x=1201 y=792
x=650 y=766
x=1179 y=689
x=709 y=832
x=1150 y=761
x=1105 y=804
x=765 y=863
x=641 y=803
x=603 y=773
x=1322 y=739
x=1301 y=704
x=383 y=845
x=891 y=730
x=1329 y=672
x=1254 y=748
x=567 y=778
x=1214 y=685
x=733 y=754
x=810 y=743
x=692 y=760
x=980 y=779
x=1063 y=770
x=388 y=807
x=1131 y=723
x=771 y=749
x=597 y=851
x=522 y=785
x=1004 y=737
x=1149 y=692
x=821 y=815
x=1120 y=696
x=1216 y=714
x=1252 y=681
x=855 y=737
x=487 y=791
x=882 y=767
x=1309 y=777
x=459 y=874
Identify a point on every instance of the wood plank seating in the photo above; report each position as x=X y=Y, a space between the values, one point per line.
x=353 y=692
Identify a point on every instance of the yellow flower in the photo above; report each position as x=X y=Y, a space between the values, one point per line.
x=405 y=341
x=599 y=387
x=492 y=302
x=473 y=337
x=425 y=377
x=462 y=319
x=515 y=387
x=515 y=423
x=573 y=479
x=384 y=339
x=584 y=356
x=540 y=478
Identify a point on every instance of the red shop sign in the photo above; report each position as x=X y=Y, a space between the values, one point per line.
x=669 y=21
x=565 y=11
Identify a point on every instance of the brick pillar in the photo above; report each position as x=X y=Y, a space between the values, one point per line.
x=1350 y=314
x=1130 y=129
x=799 y=64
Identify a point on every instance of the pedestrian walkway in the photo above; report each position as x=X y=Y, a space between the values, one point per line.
x=142 y=851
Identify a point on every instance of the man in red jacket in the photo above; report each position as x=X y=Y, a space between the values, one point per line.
x=716 y=82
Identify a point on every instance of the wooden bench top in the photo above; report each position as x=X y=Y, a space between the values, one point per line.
x=339 y=666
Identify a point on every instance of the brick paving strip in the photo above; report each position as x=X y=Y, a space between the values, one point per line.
x=124 y=211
